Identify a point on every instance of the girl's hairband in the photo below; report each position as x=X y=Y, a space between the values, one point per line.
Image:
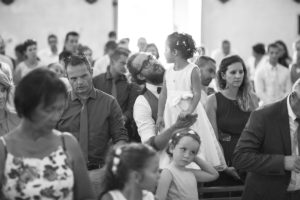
x=116 y=160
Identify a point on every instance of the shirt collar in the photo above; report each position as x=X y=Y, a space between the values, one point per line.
x=92 y=95
x=290 y=111
x=152 y=88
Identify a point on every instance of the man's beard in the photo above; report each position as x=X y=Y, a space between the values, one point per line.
x=156 y=78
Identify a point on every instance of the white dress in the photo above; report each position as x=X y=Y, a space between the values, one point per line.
x=117 y=195
x=179 y=96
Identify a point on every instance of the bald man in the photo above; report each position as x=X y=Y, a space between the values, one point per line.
x=268 y=150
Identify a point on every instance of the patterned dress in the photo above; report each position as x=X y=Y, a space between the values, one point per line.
x=49 y=178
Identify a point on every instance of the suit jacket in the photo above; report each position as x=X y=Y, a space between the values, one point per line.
x=260 y=151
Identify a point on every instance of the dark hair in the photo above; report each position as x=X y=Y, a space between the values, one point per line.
x=259 y=48
x=121 y=160
x=177 y=137
x=75 y=60
x=71 y=33
x=182 y=42
x=64 y=56
x=20 y=48
x=152 y=45
x=283 y=59
x=112 y=34
x=272 y=45
x=244 y=98
x=110 y=45
x=203 y=60
x=39 y=86
x=225 y=42
x=52 y=36
x=118 y=52
x=29 y=43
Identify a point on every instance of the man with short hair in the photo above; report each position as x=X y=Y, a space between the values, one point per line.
x=272 y=81
x=295 y=66
x=269 y=148
x=115 y=83
x=222 y=52
x=4 y=58
x=71 y=42
x=145 y=69
x=207 y=67
x=92 y=116
x=102 y=63
x=50 y=54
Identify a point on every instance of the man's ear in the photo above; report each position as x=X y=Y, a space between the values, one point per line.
x=91 y=71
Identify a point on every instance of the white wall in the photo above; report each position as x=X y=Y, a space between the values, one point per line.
x=37 y=18
x=246 y=22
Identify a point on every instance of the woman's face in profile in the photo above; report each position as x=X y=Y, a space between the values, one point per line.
x=46 y=117
x=3 y=96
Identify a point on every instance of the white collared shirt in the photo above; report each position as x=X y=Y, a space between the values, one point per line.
x=295 y=178
x=47 y=56
x=100 y=65
x=272 y=83
x=142 y=114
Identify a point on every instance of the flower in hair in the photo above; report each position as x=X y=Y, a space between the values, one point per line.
x=184 y=43
x=116 y=160
x=177 y=43
x=192 y=132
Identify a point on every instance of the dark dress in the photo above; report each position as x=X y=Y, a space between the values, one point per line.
x=231 y=121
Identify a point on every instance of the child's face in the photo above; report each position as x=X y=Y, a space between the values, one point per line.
x=185 y=151
x=169 y=54
x=150 y=174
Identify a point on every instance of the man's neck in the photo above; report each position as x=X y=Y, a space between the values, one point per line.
x=53 y=50
x=114 y=75
x=273 y=63
x=84 y=96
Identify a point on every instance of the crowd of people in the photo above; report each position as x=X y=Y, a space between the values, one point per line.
x=125 y=127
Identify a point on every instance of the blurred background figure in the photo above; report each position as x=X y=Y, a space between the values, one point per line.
x=50 y=54
x=124 y=43
x=30 y=63
x=222 y=52
x=152 y=48
x=71 y=42
x=112 y=36
x=101 y=64
x=4 y=58
x=142 y=43
x=284 y=58
x=256 y=60
x=87 y=52
x=19 y=53
x=8 y=116
x=295 y=66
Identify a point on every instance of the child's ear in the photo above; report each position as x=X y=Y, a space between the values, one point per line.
x=223 y=76
x=136 y=176
x=175 y=52
x=171 y=148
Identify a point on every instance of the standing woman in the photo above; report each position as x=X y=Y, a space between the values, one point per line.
x=37 y=161
x=229 y=109
x=30 y=63
x=8 y=117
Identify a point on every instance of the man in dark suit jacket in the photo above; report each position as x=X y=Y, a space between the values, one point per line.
x=268 y=150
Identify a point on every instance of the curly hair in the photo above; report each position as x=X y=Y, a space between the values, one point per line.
x=183 y=43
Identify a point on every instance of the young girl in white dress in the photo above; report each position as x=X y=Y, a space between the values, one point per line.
x=181 y=95
x=178 y=182
x=131 y=173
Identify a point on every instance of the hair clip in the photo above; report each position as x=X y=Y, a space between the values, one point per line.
x=177 y=43
x=192 y=132
x=116 y=160
x=184 y=43
x=177 y=134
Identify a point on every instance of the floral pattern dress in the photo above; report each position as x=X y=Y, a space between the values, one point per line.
x=49 y=178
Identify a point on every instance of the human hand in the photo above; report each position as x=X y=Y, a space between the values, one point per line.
x=231 y=171
x=160 y=124
x=292 y=163
x=183 y=114
x=124 y=119
x=185 y=122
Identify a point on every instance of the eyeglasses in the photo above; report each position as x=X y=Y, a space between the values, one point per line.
x=145 y=63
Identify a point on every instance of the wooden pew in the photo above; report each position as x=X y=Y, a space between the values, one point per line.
x=228 y=189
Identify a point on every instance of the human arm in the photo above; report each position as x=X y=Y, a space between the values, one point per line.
x=107 y=196
x=116 y=126
x=196 y=90
x=211 y=111
x=163 y=185
x=82 y=185
x=161 y=106
x=160 y=141
x=207 y=172
x=248 y=155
